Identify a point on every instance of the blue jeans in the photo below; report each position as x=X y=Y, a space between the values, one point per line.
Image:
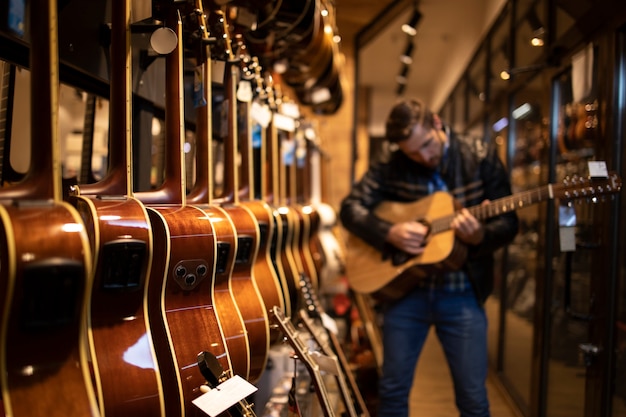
x=461 y=327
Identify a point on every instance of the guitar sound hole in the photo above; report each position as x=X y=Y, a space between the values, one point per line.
x=123 y=264
x=244 y=249
x=51 y=293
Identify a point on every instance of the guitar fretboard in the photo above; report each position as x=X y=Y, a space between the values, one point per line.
x=571 y=188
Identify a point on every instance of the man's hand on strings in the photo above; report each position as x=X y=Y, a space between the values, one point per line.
x=467 y=228
x=408 y=236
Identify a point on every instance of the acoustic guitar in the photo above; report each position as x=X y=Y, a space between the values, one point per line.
x=121 y=242
x=306 y=216
x=181 y=291
x=264 y=174
x=328 y=251
x=288 y=251
x=394 y=276
x=45 y=277
x=264 y=272
x=243 y=226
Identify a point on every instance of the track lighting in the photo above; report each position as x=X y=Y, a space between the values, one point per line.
x=410 y=28
x=506 y=74
x=401 y=78
x=536 y=26
x=407 y=57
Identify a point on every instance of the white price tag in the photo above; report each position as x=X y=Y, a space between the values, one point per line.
x=261 y=113
x=283 y=122
x=329 y=323
x=597 y=169
x=224 y=396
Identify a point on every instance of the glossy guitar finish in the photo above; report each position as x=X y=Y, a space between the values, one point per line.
x=120 y=339
x=181 y=308
x=45 y=273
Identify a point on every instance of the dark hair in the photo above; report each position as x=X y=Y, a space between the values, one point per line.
x=403 y=118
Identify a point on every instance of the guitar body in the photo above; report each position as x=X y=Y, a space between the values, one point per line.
x=265 y=275
x=315 y=244
x=245 y=290
x=121 y=242
x=181 y=305
x=288 y=251
x=46 y=272
x=226 y=308
x=369 y=273
x=303 y=247
x=276 y=256
x=334 y=260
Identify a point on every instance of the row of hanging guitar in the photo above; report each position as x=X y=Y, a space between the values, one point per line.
x=109 y=296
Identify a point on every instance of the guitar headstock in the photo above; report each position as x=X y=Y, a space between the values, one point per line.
x=577 y=187
x=309 y=295
x=290 y=332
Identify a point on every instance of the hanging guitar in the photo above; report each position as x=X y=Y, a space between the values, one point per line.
x=287 y=231
x=243 y=280
x=121 y=242
x=180 y=293
x=227 y=238
x=394 y=276
x=261 y=113
x=307 y=216
x=265 y=275
x=45 y=279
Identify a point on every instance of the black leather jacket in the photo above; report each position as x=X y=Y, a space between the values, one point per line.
x=472 y=172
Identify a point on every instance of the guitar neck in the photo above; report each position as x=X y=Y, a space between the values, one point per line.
x=174 y=188
x=572 y=188
x=118 y=179
x=303 y=353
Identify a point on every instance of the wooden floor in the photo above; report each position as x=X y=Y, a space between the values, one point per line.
x=432 y=394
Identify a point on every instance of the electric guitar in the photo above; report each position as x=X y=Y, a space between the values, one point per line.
x=394 y=276
x=317 y=322
x=310 y=359
x=121 y=241
x=45 y=277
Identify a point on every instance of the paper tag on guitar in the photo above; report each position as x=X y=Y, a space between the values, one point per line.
x=225 y=395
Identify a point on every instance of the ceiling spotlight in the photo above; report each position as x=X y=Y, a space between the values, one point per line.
x=407 y=57
x=402 y=77
x=536 y=26
x=506 y=74
x=410 y=27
